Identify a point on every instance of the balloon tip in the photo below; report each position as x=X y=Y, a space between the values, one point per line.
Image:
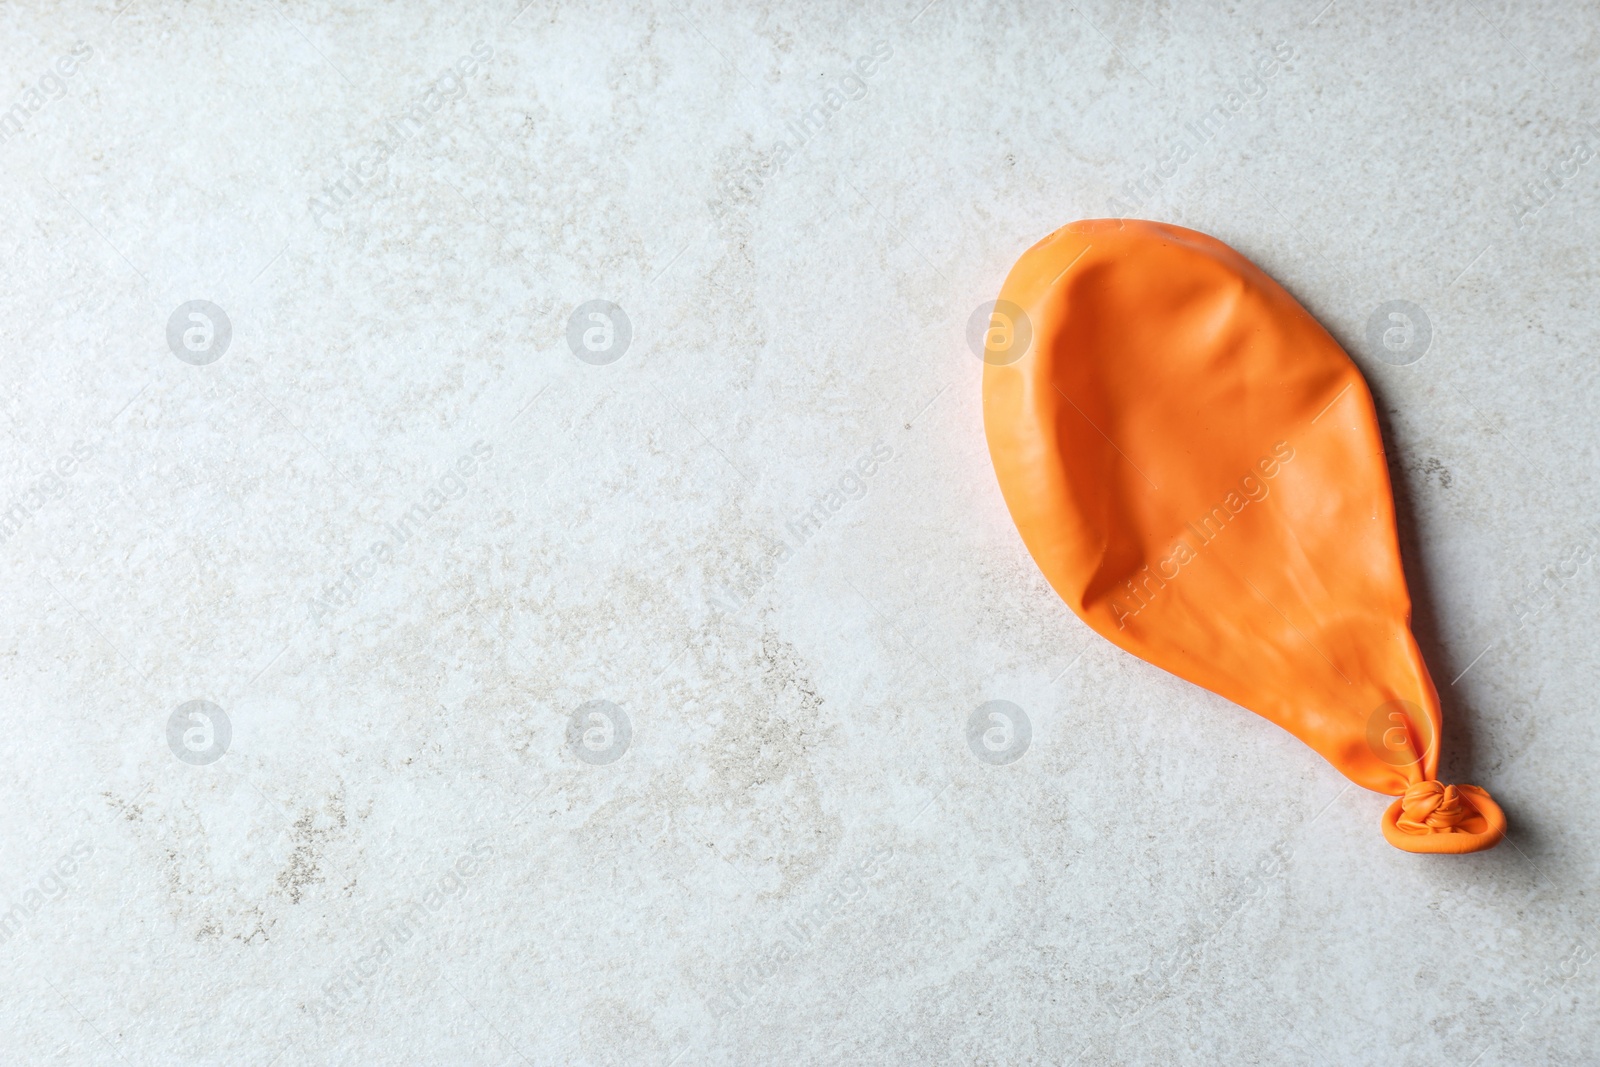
x=1431 y=817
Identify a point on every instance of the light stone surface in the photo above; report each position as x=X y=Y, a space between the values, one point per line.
x=797 y=858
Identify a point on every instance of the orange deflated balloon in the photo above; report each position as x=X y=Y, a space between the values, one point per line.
x=1196 y=467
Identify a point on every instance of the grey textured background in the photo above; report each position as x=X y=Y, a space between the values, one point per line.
x=797 y=858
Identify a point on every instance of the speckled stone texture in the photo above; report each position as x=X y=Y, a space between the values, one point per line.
x=502 y=566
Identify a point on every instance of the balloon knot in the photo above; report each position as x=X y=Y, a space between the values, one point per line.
x=1434 y=817
x=1432 y=808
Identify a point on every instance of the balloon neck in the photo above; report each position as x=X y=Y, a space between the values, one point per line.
x=1433 y=817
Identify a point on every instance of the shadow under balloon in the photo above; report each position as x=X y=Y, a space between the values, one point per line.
x=1444 y=663
x=1460 y=761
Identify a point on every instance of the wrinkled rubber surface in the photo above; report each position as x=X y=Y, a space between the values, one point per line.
x=1196 y=466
